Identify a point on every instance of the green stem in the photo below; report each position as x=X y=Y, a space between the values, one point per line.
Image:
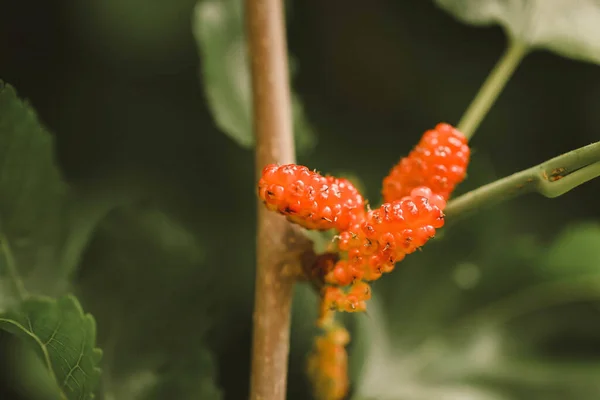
x=551 y=179
x=492 y=87
x=11 y=268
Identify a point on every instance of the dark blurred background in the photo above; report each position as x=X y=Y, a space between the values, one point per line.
x=118 y=83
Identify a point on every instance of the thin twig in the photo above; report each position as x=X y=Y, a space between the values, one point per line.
x=551 y=179
x=278 y=244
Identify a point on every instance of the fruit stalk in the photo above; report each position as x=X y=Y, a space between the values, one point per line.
x=551 y=179
x=492 y=87
x=277 y=240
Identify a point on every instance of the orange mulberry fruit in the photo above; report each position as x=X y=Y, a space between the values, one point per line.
x=310 y=199
x=439 y=161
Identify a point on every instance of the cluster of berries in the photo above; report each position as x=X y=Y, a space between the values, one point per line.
x=373 y=247
x=386 y=235
x=370 y=242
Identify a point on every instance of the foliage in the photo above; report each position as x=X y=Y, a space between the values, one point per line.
x=219 y=31
x=33 y=191
x=65 y=338
x=153 y=253
x=538 y=23
x=31 y=239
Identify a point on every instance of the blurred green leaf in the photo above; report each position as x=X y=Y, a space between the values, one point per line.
x=22 y=360
x=44 y=224
x=219 y=31
x=64 y=337
x=190 y=378
x=576 y=248
x=218 y=28
x=570 y=28
x=505 y=324
x=134 y=42
x=144 y=269
x=32 y=191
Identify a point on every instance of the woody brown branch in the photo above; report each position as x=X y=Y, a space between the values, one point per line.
x=278 y=244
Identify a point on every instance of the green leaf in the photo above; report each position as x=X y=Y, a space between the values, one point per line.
x=145 y=269
x=44 y=224
x=182 y=377
x=570 y=28
x=187 y=378
x=580 y=240
x=219 y=31
x=32 y=191
x=64 y=337
x=27 y=368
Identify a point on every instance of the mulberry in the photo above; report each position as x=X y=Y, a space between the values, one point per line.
x=387 y=235
x=439 y=162
x=310 y=199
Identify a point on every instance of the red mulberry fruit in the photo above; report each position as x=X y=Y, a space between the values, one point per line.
x=310 y=199
x=439 y=162
x=386 y=235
